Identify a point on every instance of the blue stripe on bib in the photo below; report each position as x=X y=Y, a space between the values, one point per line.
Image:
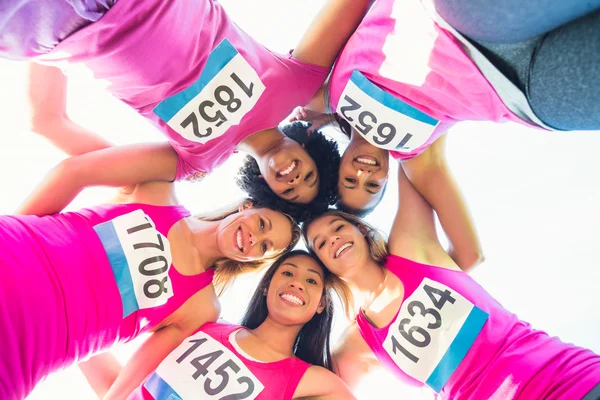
x=383 y=97
x=120 y=267
x=458 y=349
x=159 y=389
x=219 y=58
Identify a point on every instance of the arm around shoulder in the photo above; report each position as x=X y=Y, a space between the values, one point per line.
x=320 y=383
x=430 y=175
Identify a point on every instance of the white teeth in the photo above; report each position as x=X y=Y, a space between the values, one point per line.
x=344 y=247
x=288 y=169
x=239 y=239
x=293 y=299
x=366 y=161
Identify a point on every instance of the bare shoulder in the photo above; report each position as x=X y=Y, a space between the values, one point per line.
x=320 y=383
x=156 y=193
x=202 y=307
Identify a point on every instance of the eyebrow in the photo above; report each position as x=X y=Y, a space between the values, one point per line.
x=309 y=269
x=294 y=198
x=270 y=223
x=314 y=182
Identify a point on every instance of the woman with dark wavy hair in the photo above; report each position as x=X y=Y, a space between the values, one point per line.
x=279 y=351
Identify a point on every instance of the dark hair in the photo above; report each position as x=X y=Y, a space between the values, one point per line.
x=312 y=344
x=360 y=212
x=326 y=156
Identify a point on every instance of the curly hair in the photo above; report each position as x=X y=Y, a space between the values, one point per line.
x=326 y=156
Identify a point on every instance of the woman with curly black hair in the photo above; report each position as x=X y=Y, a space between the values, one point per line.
x=326 y=157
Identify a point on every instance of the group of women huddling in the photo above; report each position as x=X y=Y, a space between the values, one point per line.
x=394 y=76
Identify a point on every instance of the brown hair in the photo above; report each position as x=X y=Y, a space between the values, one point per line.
x=378 y=248
x=226 y=270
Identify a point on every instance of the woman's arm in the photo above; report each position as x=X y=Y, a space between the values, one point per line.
x=101 y=372
x=330 y=30
x=320 y=383
x=413 y=232
x=115 y=166
x=47 y=92
x=430 y=175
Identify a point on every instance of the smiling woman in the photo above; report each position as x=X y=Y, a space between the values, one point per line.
x=280 y=351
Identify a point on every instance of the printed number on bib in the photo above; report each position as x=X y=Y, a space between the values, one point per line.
x=140 y=258
x=433 y=332
x=202 y=368
x=227 y=89
x=382 y=119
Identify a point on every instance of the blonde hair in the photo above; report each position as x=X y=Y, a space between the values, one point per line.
x=226 y=269
x=378 y=248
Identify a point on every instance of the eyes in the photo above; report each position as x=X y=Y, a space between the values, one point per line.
x=337 y=229
x=308 y=176
x=261 y=226
x=289 y=274
x=371 y=184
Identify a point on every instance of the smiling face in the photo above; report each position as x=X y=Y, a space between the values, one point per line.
x=291 y=173
x=339 y=245
x=363 y=174
x=254 y=234
x=295 y=291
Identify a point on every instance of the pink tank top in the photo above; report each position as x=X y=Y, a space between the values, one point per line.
x=207 y=365
x=189 y=69
x=402 y=81
x=76 y=283
x=451 y=335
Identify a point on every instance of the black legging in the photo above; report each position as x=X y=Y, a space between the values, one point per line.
x=549 y=48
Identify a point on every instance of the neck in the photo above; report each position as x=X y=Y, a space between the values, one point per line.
x=204 y=239
x=280 y=338
x=260 y=144
x=368 y=283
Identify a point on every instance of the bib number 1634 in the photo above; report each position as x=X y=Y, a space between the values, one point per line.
x=433 y=331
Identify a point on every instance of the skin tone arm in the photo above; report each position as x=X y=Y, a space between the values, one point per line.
x=330 y=30
x=413 y=232
x=115 y=166
x=430 y=174
x=47 y=93
x=320 y=383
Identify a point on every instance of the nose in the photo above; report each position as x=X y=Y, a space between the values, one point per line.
x=295 y=179
x=333 y=239
x=297 y=285
x=252 y=238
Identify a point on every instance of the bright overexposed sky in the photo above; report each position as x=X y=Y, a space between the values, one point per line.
x=534 y=197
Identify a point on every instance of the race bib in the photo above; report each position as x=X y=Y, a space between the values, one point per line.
x=140 y=258
x=202 y=368
x=382 y=119
x=433 y=332
x=227 y=89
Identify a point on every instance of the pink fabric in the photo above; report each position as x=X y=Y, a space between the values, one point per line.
x=508 y=359
x=149 y=50
x=424 y=67
x=280 y=379
x=59 y=301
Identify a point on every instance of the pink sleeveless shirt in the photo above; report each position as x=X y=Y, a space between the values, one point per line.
x=189 y=69
x=402 y=81
x=207 y=365
x=76 y=283
x=451 y=335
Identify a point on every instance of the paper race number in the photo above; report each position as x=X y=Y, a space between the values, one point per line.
x=226 y=91
x=140 y=258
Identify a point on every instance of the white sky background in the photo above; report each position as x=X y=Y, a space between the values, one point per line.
x=534 y=197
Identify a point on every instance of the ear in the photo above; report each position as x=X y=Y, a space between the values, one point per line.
x=246 y=205
x=322 y=305
x=261 y=177
x=363 y=230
